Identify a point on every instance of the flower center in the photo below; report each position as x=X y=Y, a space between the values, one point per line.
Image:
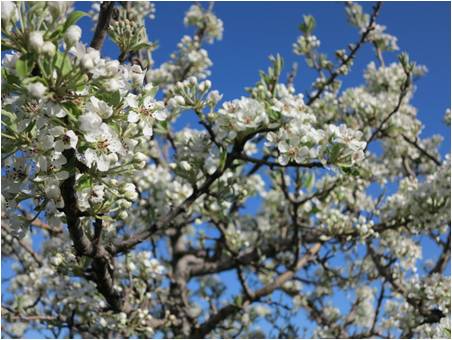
x=102 y=144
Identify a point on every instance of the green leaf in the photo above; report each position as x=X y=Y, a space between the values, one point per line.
x=223 y=157
x=8 y=114
x=30 y=126
x=84 y=182
x=274 y=116
x=140 y=45
x=308 y=25
x=111 y=98
x=63 y=63
x=309 y=180
x=105 y=218
x=73 y=18
x=335 y=152
x=23 y=67
x=238 y=301
x=72 y=109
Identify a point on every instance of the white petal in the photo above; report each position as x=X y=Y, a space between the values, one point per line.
x=160 y=115
x=133 y=117
x=103 y=163
x=147 y=130
x=283 y=159
x=131 y=100
x=283 y=146
x=89 y=121
x=90 y=157
x=60 y=146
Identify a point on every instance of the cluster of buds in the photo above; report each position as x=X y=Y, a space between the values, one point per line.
x=129 y=35
x=191 y=93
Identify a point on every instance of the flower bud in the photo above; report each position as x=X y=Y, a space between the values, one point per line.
x=185 y=165
x=37 y=90
x=124 y=204
x=139 y=160
x=9 y=11
x=72 y=35
x=53 y=192
x=90 y=59
x=131 y=195
x=136 y=74
x=214 y=97
x=113 y=182
x=48 y=48
x=129 y=191
x=176 y=102
x=123 y=215
x=204 y=86
x=57 y=8
x=192 y=80
x=36 y=40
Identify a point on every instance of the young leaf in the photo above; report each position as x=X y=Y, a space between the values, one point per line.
x=73 y=18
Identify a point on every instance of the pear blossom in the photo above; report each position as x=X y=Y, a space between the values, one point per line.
x=104 y=149
x=146 y=114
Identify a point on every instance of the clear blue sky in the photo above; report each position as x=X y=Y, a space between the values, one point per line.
x=255 y=30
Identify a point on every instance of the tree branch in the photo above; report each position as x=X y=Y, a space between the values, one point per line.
x=201 y=331
x=403 y=92
x=351 y=56
x=106 y=11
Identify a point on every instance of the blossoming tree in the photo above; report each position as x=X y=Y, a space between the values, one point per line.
x=116 y=224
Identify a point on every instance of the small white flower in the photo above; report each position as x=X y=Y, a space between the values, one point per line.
x=240 y=115
x=55 y=110
x=146 y=114
x=214 y=97
x=105 y=146
x=69 y=140
x=99 y=107
x=90 y=122
x=211 y=164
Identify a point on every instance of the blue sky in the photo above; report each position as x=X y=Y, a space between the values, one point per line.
x=255 y=30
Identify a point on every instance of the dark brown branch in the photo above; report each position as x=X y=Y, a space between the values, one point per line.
x=201 y=331
x=38 y=259
x=430 y=315
x=275 y=164
x=292 y=75
x=144 y=234
x=377 y=310
x=106 y=11
x=421 y=150
x=443 y=259
x=349 y=57
x=403 y=92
